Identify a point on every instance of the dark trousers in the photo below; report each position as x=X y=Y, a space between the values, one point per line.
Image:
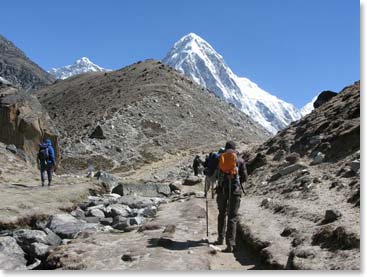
x=196 y=171
x=232 y=211
x=46 y=168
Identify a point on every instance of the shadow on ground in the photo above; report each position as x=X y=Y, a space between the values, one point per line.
x=175 y=245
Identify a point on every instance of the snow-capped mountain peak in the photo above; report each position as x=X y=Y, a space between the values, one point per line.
x=82 y=65
x=198 y=60
x=308 y=108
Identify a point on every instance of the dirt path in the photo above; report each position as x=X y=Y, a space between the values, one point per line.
x=241 y=259
x=186 y=248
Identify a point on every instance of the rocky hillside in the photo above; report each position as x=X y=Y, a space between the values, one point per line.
x=305 y=187
x=18 y=69
x=138 y=114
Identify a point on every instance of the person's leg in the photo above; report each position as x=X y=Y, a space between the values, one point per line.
x=232 y=220
x=49 y=174
x=212 y=183
x=222 y=213
x=206 y=185
x=42 y=170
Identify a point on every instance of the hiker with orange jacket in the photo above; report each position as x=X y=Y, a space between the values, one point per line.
x=233 y=173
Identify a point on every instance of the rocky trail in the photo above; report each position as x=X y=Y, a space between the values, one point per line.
x=144 y=230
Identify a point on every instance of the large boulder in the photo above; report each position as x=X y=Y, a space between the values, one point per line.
x=11 y=255
x=118 y=209
x=143 y=189
x=24 y=123
x=258 y=161
x=135 y=202
x=108 y=179
x=68 y=227
x=323 y=97
x=25 y=238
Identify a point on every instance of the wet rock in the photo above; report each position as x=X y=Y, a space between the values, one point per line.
x=12 y=148
x=331 y=216
x=292 y=158
x=98 y=133
x=319 y=158
x=257 y=162
x=11 y=255
x=192 y=181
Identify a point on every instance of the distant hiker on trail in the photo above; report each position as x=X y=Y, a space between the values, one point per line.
x=196 y=164
x=46 y=159
x=232 y=173
x=211 y=171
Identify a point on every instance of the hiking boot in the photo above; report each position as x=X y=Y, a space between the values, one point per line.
x=43 y=184
x=49 y=184
x=218 y=242
x=229 y=249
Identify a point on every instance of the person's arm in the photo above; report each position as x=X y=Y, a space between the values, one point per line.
x=51 y=153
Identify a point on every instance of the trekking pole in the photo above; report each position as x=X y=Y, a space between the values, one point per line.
x=207 y=216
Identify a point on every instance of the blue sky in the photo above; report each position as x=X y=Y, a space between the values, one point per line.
x=294 y=49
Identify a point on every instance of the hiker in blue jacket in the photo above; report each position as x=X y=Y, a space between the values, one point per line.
x=47 y=161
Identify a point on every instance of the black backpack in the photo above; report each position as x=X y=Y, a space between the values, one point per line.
x=43 y=155
x=211 y=164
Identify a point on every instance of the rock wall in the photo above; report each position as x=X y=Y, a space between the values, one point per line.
x=25 y=124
